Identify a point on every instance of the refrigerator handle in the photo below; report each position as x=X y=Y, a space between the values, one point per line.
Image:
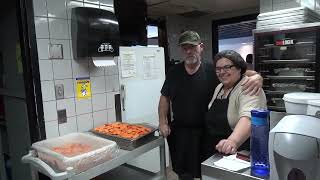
x=123 y=96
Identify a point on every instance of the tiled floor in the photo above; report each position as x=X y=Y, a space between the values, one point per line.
x=127 y=172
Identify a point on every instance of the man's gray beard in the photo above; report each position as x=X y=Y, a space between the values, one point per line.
x=193 y=61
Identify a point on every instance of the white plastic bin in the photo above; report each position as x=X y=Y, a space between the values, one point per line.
x=101 y=150
x=297 y=103
x=313 y=107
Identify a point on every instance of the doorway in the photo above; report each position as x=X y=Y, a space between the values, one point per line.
x=20 y=124
x=234 y=34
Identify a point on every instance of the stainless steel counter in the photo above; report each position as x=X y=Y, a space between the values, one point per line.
x=211 y=172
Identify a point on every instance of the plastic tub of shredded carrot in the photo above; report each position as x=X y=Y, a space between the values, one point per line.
x=78 y=150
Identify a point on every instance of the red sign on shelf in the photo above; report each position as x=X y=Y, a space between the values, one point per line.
x=284 y=42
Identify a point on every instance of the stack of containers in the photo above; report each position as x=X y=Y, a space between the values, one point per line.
x=303 y=103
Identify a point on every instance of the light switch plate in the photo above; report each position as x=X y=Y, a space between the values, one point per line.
x=62 y=116
x=59 y=91
x=55 y=51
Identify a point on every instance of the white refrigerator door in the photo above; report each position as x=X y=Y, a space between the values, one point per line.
x=142 y=73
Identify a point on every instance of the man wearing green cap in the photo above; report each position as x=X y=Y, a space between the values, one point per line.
x=189 y=87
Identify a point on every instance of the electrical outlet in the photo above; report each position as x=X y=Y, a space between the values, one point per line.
x=59 y=91
x=62 y=116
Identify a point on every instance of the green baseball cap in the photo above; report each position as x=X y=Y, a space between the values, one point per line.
x=189 y=37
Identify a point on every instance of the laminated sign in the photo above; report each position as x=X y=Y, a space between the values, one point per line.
x=83 y=88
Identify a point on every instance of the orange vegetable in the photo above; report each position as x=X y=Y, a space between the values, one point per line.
x=124 y=130
x=72 y=149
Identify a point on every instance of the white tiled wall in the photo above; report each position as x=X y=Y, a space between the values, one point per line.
x=52 y=23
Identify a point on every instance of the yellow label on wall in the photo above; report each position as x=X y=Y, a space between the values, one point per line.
x=83 y=88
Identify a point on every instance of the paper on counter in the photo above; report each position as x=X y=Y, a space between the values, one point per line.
x=232 y=163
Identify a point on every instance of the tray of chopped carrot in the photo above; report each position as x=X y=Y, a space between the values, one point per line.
x=128 y=136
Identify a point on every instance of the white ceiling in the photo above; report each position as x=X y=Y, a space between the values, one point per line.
x=158 y=8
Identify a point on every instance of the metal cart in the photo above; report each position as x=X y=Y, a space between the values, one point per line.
x=124 y=156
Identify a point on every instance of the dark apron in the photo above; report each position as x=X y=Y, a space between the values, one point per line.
x=217 y=127
x=184 y=146
x=185 y=138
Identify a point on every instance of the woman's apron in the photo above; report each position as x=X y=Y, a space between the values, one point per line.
x=217 y=126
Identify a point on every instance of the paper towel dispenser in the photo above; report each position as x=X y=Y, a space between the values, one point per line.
x=94 y=32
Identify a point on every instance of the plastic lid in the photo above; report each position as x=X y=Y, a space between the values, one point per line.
x=301 y=97
x=261 y=113
x=314 y=102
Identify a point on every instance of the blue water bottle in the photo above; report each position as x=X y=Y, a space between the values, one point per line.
x=259 y=143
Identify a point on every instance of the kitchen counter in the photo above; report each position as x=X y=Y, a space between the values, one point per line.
x=211 y=172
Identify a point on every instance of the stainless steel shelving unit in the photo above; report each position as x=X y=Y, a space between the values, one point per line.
x=288 y=59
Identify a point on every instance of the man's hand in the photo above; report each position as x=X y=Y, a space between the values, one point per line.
x=227 y=146
x=252 y=85
x=164 y=129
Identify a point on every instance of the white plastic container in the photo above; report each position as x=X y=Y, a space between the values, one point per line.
x=313 y=107
x=297 y=102
x=101 y=150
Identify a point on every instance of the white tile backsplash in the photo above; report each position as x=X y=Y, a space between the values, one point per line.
x=112 y=83
x=110 y=100
x=99 y=102
x=43 y=48
x=42 y=27
x=80 y=68
x=69 y=105
x=85 y=122
x=65 y=47
x=45 y=68
x=112 y=70
x=47 y=89
x=83 y=106
x=40 y=8
x=58 y=28
x=62 y=69
x=95 y=71
x=100 y=118
x=52 y=129
x=98 y=84
x=57 y=8
x=50 y=111
x=109 y=84
x=69 y=127
x=111 y=115
x=67 y=87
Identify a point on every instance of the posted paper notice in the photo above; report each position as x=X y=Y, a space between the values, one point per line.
x=128 y=64
x=150 y=69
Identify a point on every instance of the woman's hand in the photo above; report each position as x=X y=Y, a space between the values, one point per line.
x=227 y=146
x=252 y=85
x=164 y=129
